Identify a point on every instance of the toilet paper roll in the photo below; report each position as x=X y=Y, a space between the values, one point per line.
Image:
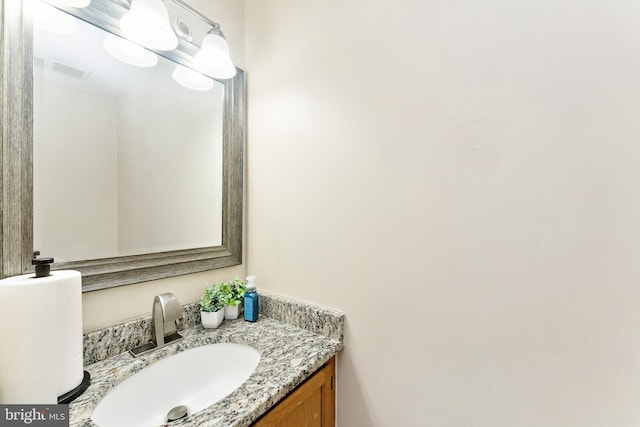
x=44 y=316
x=69 y=352
x=27 y=333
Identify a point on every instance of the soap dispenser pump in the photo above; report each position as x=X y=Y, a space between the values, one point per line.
x=251 y=300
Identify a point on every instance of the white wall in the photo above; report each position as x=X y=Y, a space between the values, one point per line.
x=475 y=162
x=112 y=306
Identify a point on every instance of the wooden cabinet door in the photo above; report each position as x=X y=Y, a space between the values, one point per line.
x=311 y=404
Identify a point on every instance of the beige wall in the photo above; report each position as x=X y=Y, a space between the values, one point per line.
x=475 y=163
x=112 y=306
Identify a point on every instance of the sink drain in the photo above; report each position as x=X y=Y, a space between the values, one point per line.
x=177 y=413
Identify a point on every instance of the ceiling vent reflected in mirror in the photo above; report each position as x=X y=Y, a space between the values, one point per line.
x=60 y=68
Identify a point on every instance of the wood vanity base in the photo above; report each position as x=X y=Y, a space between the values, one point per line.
x=311 y=404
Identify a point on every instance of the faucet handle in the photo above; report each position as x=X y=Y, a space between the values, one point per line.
x=172 y=308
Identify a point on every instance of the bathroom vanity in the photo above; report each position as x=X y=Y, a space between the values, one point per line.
x=312 y=404
x=294 y=379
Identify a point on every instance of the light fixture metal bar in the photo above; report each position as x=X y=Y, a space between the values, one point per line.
x=197 y=14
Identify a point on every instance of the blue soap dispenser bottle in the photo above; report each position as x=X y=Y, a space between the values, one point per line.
x=251 y=300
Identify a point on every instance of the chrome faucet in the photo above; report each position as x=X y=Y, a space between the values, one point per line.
x=166 y=319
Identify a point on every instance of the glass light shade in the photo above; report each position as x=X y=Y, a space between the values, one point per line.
x=128 y=52
x=191 y=79
x=227 y=71
x=213 y=58
x=48 y=18
x=72 y=3
x=147 y=24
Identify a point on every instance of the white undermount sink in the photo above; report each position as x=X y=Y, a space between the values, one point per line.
x=195 y=378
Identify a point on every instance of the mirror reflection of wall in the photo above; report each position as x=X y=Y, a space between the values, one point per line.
x=126 y=160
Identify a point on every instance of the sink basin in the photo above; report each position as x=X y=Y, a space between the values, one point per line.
x=195 y=378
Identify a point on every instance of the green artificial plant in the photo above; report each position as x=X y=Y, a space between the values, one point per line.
x=213 y=299
x=233 y=292
x=237 y=288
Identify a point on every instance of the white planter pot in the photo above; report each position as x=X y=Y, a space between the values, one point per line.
x=212 y=319
x=233 y=311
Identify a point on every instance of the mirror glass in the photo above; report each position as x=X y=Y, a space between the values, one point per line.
x=126 y=160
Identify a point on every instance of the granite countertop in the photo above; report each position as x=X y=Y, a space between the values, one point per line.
x=294 y=340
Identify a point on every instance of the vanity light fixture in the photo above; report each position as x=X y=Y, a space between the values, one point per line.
x=147 y=24
x=51 y=20
x=191 y=79
x=213 y=59
x=128 y=52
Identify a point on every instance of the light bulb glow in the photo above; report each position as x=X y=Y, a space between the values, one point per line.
x=128 y=52
x=147 y=24
x=191 y=79
x=226 y=71
x=213 y=59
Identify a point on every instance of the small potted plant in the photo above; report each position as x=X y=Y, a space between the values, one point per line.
x=234 y=297
x=212 y=306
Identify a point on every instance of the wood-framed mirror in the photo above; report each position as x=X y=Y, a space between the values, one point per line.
x=17 y=183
